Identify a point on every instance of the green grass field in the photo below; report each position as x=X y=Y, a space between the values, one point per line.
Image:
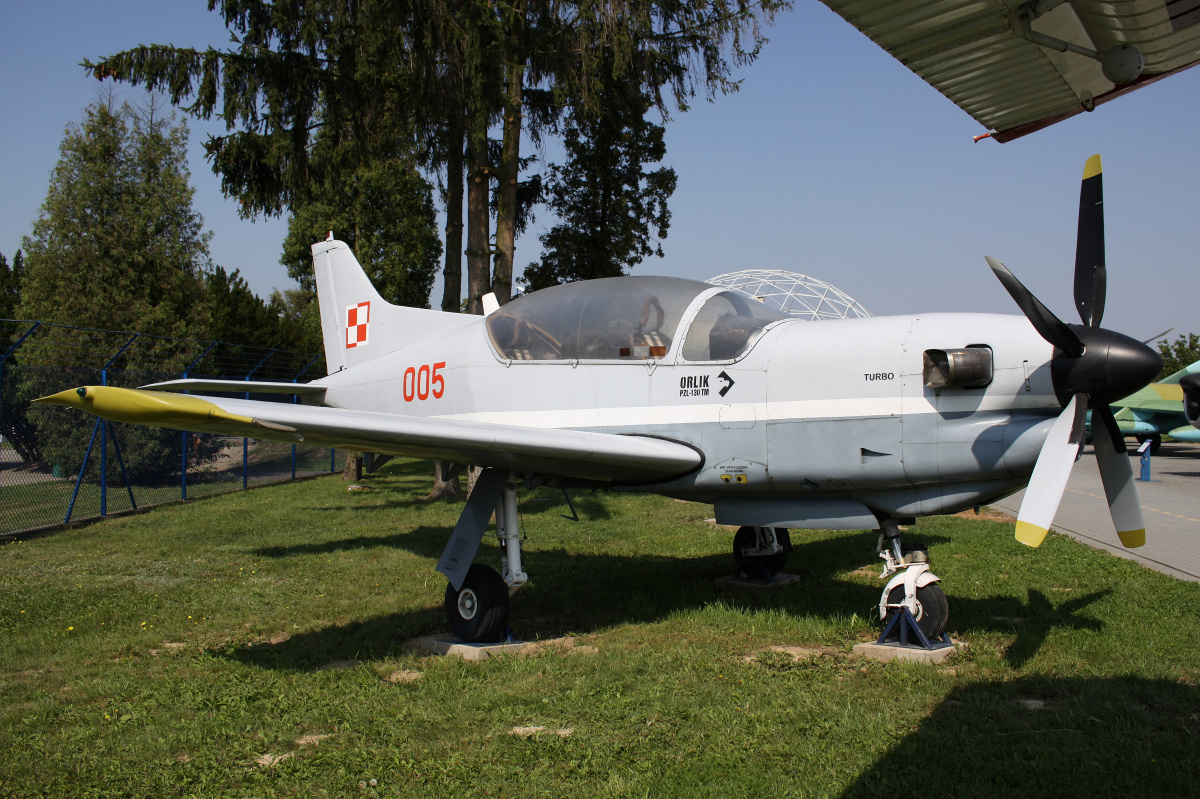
x=251 y=644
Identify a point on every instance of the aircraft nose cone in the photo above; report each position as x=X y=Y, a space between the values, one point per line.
x=1112 y=366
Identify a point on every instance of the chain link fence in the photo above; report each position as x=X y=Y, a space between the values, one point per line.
x=59 y=465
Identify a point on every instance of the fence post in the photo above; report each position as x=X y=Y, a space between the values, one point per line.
x=104 y=436
x=103 y=455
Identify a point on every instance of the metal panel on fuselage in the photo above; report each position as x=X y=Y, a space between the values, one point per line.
x=834 y=405
x=954 y=431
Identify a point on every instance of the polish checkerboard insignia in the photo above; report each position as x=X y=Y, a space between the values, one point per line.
x=357 y=317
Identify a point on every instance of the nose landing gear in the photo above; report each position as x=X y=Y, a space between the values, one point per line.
x=912 y=586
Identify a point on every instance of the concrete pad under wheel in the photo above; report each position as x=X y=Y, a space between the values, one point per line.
x=913 y=654
x=758 y=582
x=464 y=650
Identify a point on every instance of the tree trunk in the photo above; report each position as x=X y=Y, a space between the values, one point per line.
x=506 y=193
x=352 y=471
x=442 y=488
x=452 y=274
x=478 y=214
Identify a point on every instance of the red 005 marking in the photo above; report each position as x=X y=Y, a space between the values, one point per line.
x=420 y=382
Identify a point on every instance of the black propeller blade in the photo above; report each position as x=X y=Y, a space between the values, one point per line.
x=1042 y=318
x=1090 y=273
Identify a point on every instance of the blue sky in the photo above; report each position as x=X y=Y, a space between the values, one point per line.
x=833 y=160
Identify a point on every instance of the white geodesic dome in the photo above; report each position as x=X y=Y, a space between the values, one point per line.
x=793 y=293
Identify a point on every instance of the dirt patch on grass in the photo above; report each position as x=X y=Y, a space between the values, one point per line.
x=404 y=675
x=565 y=644
x=533 y=732
x=795 y=653
x=988 y=514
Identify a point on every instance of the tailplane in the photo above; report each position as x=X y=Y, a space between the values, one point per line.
x=358 y=325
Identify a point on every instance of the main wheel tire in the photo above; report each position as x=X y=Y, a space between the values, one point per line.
x=751 y=566
x=478 y=612
x=932 y=608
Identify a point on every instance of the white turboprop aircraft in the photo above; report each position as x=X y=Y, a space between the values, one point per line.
x=683 y=389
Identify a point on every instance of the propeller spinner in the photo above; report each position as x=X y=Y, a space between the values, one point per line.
x=1091 y=367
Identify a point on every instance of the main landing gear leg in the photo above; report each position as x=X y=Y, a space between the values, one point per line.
x=476 y=602
x=761 y=552
x=912 y=585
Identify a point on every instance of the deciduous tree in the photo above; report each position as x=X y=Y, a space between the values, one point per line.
x=1183 y=351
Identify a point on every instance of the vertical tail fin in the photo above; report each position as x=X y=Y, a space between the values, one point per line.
x=357 y=324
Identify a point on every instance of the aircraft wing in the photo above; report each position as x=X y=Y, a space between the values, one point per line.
x=565 y=453
x=1019 y=67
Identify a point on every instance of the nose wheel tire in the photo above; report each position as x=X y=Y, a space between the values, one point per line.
x=478 y=612
x=752 y=565
x=932 y=608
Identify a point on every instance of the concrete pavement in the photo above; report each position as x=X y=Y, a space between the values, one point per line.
x=1170 y=503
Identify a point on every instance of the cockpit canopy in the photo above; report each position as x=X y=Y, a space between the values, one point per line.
x=626 y=318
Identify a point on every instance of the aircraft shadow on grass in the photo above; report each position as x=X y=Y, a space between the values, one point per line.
x=1047 y=736
x=587 y=592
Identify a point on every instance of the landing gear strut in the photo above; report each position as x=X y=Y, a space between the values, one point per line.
x=912 y=585
x=761 y=552
x=476 y=601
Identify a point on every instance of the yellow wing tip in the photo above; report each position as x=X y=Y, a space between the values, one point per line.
x=1131 y=539
x=1092 y=167
x=1030 y=534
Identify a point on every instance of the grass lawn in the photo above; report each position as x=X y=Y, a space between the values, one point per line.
x=251 y=644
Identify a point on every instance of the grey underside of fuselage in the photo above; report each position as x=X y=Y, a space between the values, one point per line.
x=910 y=465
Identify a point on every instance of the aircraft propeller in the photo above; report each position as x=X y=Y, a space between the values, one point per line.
x=1091 y=368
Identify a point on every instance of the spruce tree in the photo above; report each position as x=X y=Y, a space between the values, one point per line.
x=118 y=245
x=612 y=212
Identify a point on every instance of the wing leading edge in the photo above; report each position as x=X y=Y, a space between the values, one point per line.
x=565 y=453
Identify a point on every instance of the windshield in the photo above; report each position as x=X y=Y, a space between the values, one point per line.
x=618 y=318
x=726 y=327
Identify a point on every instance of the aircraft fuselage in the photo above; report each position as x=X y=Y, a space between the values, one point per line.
x=813 y=409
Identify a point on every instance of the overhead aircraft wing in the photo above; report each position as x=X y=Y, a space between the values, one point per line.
x=565 y=453
x=1019 y=67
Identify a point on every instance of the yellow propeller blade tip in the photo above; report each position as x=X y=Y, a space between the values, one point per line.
x=1092 y=167
x=1030 y=534
x=1131 y=539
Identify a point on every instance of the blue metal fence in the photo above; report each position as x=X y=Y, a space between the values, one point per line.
x=59 y=465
